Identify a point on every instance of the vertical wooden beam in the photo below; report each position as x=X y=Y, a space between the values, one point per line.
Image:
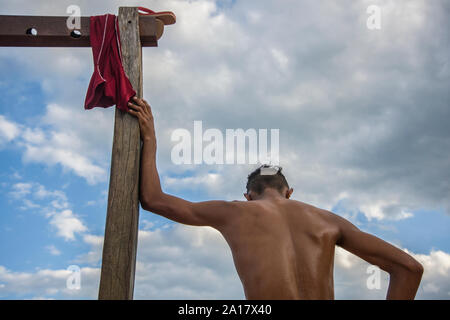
x=119 y=248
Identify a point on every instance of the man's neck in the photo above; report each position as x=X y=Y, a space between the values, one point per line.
x=271 y=194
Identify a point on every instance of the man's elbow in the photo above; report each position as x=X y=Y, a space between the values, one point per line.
x=416 y=268
x=410 y=268
x=152 y=203
x=413 y=269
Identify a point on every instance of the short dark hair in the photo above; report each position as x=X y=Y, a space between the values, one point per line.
x=272 y=178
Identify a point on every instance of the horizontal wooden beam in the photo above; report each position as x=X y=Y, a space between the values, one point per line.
x=52 y=31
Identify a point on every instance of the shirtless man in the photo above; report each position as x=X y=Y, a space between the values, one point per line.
x=282 y=249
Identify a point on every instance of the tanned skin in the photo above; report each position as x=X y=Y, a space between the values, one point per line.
x=282 y=248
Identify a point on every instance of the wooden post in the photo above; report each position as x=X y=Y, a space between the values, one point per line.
x=119 y=248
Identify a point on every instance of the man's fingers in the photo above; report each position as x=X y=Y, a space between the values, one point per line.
x=148 y=108
x=146 y=103
x=145 y=106
x=134 y=106
x=140 y=102
x=134 y=113
x=141 y=105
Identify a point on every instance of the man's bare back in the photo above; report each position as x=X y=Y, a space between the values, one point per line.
x=282 y=249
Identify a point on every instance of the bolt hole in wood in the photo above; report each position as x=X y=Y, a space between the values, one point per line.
x=31 y=31
x=75 y=34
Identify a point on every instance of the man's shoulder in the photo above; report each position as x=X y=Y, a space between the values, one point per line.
x=311 y=207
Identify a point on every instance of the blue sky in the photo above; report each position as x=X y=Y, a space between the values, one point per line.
x=361 y=133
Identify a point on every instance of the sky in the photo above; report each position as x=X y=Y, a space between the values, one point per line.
x=363 y=127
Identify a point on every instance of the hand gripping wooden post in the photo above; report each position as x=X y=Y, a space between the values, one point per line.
x=136 y=31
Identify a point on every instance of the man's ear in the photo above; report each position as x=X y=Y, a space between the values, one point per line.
x=289 y=193
x=247 y=196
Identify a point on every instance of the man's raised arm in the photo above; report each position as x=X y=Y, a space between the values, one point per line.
x=405 y=272
x=152 y=198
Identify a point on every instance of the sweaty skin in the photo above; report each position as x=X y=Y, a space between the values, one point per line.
x=282 y=248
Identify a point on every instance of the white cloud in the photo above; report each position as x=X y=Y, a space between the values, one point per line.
x=47 y=283
x=52 y=204
x=77 y=142
x=35 y=136
x=8 y=130
x=42 y=192
x=53 y=250
x=280 y=58
x=94 y=256
x=26 y=191
x=16 y=176
x=79 y=164
x=436 y=284
x=20 y=190
x=67 y=224
x=91 y=203
x=146 y=225
x=208 y=181
x=29 y=205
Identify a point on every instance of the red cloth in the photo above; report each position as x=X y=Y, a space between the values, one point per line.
x=109 y=84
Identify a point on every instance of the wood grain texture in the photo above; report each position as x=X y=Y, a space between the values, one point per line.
x=119 y=248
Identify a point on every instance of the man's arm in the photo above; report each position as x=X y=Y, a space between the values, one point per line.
x=152 y=198
x=405 y=272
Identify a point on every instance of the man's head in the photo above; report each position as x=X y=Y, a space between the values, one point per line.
x=267 y=178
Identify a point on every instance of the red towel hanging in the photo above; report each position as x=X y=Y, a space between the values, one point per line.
x=109 y=84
